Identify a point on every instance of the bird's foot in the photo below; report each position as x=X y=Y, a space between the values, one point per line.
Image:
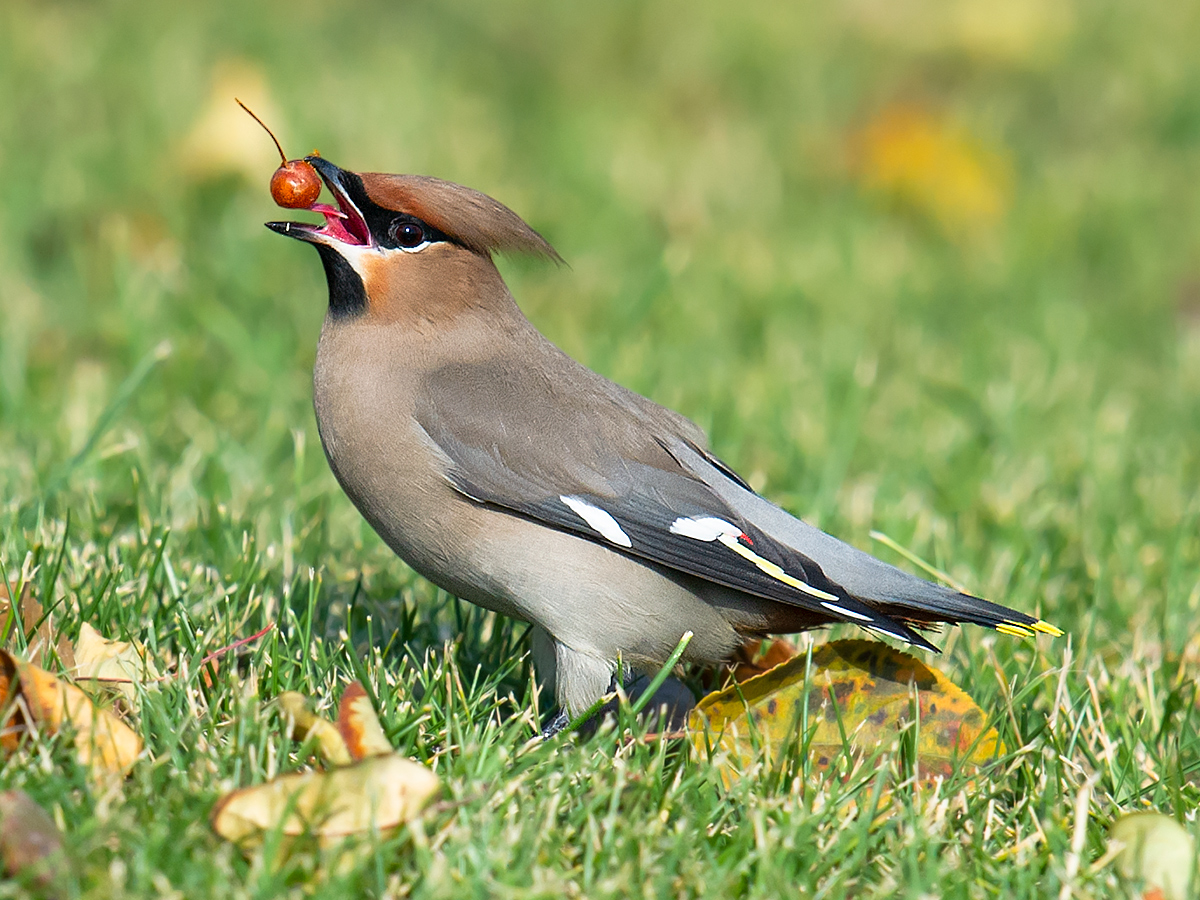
x=556 y=723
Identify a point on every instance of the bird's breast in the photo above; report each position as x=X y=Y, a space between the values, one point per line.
x=394 y=474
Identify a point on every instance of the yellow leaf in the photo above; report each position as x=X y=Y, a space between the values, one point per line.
x=375 y=794
x=42 y=702
x=862 y=687
x=1013 y=31
x=306 y=723
x=927 y=163
x=359 y=726
x=1156 y=850
x=1016 y=32
x=119 y=665
x=224 y=140
x=756 y=657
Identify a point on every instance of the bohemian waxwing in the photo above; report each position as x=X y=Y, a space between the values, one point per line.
x=510 y=475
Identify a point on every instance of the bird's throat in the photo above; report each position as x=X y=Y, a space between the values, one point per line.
x=347 y=294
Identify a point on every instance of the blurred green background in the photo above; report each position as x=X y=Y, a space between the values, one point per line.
x=931 y=268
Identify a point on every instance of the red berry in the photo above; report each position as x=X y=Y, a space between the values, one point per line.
x=295 y=185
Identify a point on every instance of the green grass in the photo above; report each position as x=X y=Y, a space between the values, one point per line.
x=1018 y=404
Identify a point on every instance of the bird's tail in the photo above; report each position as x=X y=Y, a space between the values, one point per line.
x=884 y=587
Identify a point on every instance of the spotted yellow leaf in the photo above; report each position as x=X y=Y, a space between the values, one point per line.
x=863 y=689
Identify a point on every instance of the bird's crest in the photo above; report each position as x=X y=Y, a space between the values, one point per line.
x=470 y=217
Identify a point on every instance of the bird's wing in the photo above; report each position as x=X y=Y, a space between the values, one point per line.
x=612 y=467
x=889 y=589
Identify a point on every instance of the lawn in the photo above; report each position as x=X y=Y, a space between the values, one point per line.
x=927 y=269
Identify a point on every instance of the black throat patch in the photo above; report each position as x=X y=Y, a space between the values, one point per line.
x=347 y=294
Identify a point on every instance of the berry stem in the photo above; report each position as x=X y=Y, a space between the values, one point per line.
x=282 y=156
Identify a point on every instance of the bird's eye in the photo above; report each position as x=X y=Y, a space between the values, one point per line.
x=408 y=234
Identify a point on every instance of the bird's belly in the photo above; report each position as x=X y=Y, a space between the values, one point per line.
x=419 y=516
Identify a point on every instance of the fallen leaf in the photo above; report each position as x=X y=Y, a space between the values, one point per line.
x=928 y=163
x=30 y=844
x=758 y=657
x=41 y=702
x=378 y=793
x=1017 y=32
x=223 y=140
x=359 y=726
x=36 y=625
x=862 y=688
x=209 y=672
x=10 y=733
x=120 y=666
x=1155 y=850
x=306 y=723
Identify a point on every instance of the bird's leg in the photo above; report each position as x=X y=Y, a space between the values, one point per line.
x=541 y=648
x=581 y=678
x=622 y=679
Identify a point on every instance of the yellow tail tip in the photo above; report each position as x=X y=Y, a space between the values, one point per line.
x=1014 y=629
x=1047 y=628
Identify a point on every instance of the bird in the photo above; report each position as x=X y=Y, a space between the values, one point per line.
x=514 y=477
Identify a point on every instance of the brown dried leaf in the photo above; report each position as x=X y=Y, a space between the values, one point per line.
x=14 y=724
x=209 y=673
x=375 y=794
x=120 y=666
x=359 y=726
x=862 y=688
x=38 y=628
x=306 y=723
x=42 y=702
x=30 y=844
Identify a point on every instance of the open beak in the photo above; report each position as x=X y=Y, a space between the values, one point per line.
x=344 y=223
